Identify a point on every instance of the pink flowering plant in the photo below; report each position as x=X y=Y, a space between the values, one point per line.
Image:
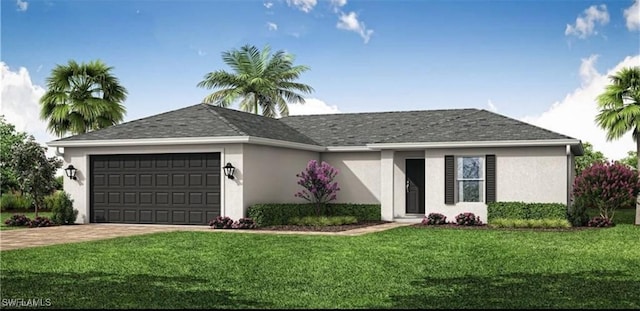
x=317 y=181
x=607 y=186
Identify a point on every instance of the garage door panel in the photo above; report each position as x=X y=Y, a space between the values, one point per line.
x=155 y=188
x=130 y=216
x=178 y=180
x=162 y=180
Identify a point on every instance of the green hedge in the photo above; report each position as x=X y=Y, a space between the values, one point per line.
x=280 y=214
x=521 y=210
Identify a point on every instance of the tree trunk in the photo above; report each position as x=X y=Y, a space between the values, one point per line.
x=637 y=137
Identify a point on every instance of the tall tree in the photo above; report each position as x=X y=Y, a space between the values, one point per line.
x=620 y=110
x=81 y=98
x=8 y=138
x=35 y=173
x=260 y=79
x=589 y=158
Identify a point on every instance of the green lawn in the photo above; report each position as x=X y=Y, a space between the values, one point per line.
x=401 y=268
x=5 y=215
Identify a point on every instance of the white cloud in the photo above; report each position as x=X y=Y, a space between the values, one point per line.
x=268 y=5
x=588 y=71
x=20 y=103
x=632 y=15
x=350 y=22
x=585 y=23
x=312 y=106
x=575 y=114
x=272 y=26
x=201 y=52
x=337 y=4
x=491 y=106
x=22 y=5
x=303 y=5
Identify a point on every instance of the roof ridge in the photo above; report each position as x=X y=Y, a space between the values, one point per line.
x=210 y=107
x=377 y=112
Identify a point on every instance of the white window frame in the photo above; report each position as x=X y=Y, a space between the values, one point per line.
x=482 y=179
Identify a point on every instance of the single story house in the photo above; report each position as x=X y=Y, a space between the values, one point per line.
x=168 y=168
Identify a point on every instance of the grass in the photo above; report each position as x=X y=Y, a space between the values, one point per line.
x=406 y=267
x=5 y=215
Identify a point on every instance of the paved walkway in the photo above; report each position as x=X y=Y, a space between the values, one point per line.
x=23 y=238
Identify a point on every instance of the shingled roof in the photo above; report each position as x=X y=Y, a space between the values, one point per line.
x=346 y=129
x=201 y=120
x=451 y=125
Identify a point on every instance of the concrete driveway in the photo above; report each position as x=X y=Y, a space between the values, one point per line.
x=22 y=238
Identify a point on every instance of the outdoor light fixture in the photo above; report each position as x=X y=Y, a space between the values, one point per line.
x=229 y=170
x=71 y=172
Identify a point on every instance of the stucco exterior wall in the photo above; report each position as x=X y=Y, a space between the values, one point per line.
x=269 y=174
x=231 y=198
x=358 y=177
x=528 y=174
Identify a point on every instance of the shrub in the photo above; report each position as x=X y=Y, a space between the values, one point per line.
x=468 y=219
x=577 y=214
x=323 y=221
x=15 y=202
x=522 y=210
x=599 y=221
x=40 y=222
x=244 y=223
x=434 y=219
x=221 y=223
x=17 y=220
x=529 y=223
x=606 y=186
x=62 y=207
x=318 y=184
x=280 y=214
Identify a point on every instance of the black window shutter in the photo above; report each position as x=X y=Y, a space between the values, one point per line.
x=449 y=180
x=490 y=183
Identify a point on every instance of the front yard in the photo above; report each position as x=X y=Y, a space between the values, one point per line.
x=401 y=268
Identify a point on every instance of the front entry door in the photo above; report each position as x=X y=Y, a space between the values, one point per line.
x=414 y=186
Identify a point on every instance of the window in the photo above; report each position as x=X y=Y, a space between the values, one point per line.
x=470 y=179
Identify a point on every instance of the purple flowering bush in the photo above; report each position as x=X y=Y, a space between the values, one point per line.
x=434 y=219
x=244 y=223
x=40 y=222
x=600 y=222
x=221 y=223
x=228 y=223
x=317 y=181
x=606 y=186
x=468 y=219
x=17 y=220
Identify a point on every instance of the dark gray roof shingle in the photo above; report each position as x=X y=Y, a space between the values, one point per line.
x=199 y=120
x=359 y=129
x=347 y=129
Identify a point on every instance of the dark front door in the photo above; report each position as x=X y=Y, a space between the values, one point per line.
x=181 y=188
x=414 y=186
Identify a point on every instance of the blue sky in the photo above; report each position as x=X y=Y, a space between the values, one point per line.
x=519 y=58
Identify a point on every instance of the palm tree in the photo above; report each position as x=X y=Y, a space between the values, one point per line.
x=620 y=110
x=259 y=78
x=81 y=98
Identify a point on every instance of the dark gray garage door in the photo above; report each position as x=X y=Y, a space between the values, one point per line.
x=155 y=188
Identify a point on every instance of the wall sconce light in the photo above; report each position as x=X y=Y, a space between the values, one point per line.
x=229 y=170
x=71 y=172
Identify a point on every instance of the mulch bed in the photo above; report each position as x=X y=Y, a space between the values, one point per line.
x=322 y=228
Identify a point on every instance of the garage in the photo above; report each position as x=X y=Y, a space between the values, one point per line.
x=176 y=188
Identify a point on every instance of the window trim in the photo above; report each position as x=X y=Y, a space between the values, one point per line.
x=482 y=180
